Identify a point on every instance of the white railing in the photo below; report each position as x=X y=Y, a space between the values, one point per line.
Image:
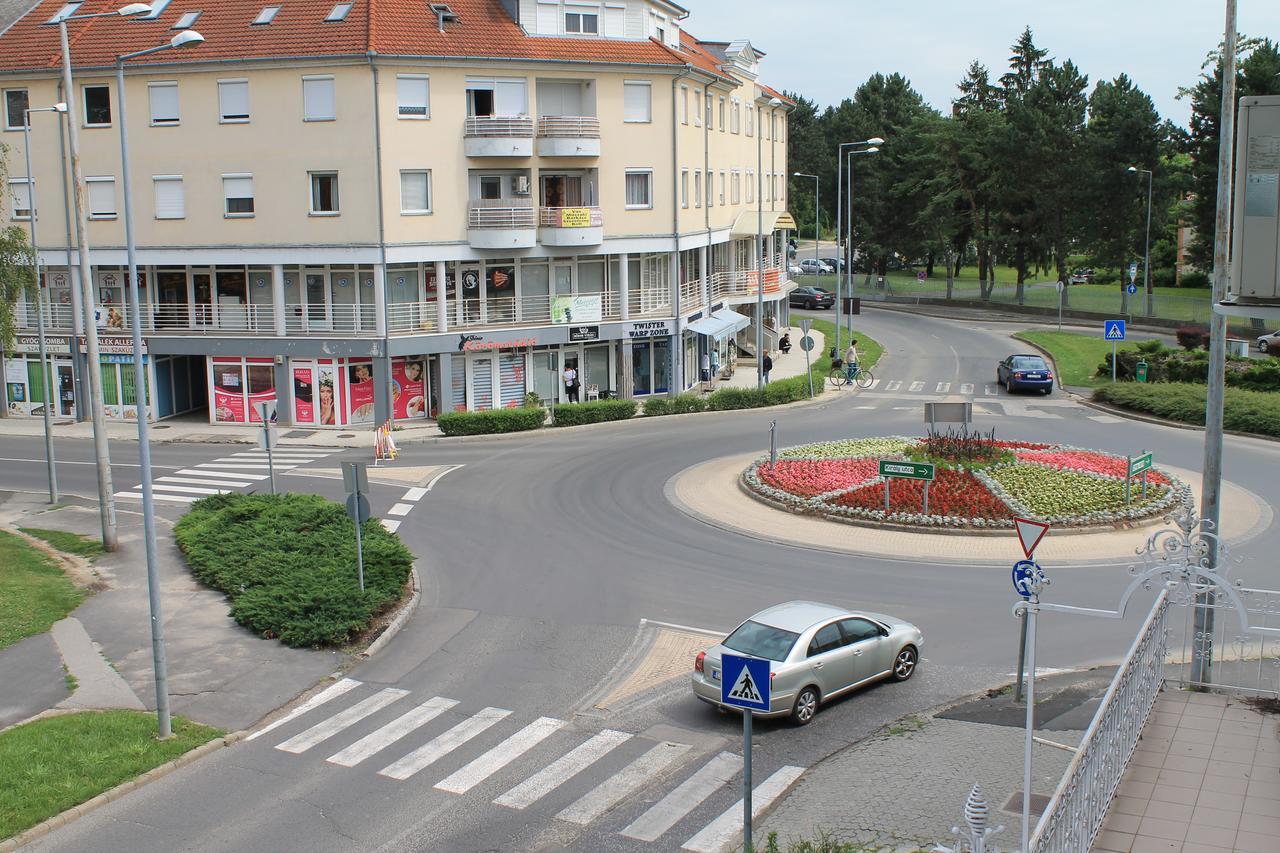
x=691 y=295
x=650 y=302
x=55 y=316
x=745 y=282
x=556 y=217
x=411 y=318
x=1075 y=813
x=358 y=320
x=504 y=126
x=577 y=127
x=501 y=213
x=1238 y=660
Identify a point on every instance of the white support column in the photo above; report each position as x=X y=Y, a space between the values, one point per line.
x=624 y=284
x=703 y=254
x=379 y=299
x=277 y=299
x=442 y=303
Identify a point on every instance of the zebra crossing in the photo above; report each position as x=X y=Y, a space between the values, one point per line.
x=236 y=471
x=928 y=386
x=470 y=747
x=982 y=394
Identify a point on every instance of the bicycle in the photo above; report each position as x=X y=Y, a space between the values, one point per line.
x=839 y=377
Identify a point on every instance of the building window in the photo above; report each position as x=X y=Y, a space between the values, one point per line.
x=415 y=191
x=735 y=113
x=413 y=96
x=639 y=189
x=490 y=187
x=164 y=103
x=751 y=186
x=15 y=109
x=171 y=201
x=318 y=99
x=721 y=125
x=339 y=13
x=97 y=106
x=711 y=101
x=233 y=101
x=697 y=109
x=237 y=194
x=20 y=189
x=582 y=22
x=736 y=187
x=684 y=187
x=266 y=16
x=102 y=198
x=724 y=179
x=697 y=188
x=187 y=21
x=637 y=96
x=684 y=104
x=751 y=120
x=324 y=193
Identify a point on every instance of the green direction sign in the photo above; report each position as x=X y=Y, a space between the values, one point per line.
x=906 y=470
x=1137 y=464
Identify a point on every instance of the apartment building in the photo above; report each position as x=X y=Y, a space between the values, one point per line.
x=391 y=208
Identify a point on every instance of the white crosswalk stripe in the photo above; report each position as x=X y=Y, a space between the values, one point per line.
x=562 y=769
x=1105 y=419
x=684 y=798
x=943 y=388
x=393 y=731
x=390 y=525
x=342 y=720
x=992 y=390
x=894 y=385
x=966 y=387
x=224 y=474
x=618 y=786
x=333 y=691
x=185 y=499
x=238 y=466
x=444 y=744
x=237 y=475
x=190 y=490
x=916 y=386
x=201 y=481
x=417 y=493
x=721 y=834
x=400 y=509
x=467 y=777
x=874 y=383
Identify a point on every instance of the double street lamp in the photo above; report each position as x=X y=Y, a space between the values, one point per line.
x=866 y=146
x=1146 y=260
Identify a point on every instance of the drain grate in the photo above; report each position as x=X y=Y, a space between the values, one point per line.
x=1039 y=802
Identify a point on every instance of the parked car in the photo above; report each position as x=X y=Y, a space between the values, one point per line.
x=813 y=266
x=811 y=297
x=1269 y=343
x=1025 y=371
x=817 y=653
x=1082 y=276
x=794 y=270
x=836 y=264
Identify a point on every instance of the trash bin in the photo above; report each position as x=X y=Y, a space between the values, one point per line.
x=1140 y=373
x=1238 y=347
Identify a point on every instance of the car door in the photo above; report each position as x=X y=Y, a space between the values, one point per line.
x=1002 y=371
x=831 y=661
x=868 y=648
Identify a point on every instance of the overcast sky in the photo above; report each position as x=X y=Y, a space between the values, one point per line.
x=824 y=49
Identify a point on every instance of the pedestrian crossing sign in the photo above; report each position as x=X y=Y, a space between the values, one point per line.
x=1113 y=330
x=745 y=683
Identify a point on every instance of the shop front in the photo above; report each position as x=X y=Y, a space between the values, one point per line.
x=24 y=390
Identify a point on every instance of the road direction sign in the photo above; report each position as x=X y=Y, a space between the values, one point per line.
x=907 y=470
x=1060 y=286
x=1030 y=532
x=806 y=343
x=1113 y=330
x=1140 y=463
x=1025 y=574
x=358 y=508
x=805 y=325
x=1131 y=288
x=355 y=477
x=1133 y=271
x=744 y=682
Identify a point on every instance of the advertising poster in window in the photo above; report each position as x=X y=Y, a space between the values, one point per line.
x=328 y=395
x=228 y=393
x=360 y=392
x=587 y=308
x=304 y=407
x=408 y=389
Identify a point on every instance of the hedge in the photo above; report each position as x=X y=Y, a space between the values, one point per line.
x=593 y=412
x=1244 y=411
x=782 y=391
x=681 y=405
x=288 y=564
x=491 y=421
x=1170 y=365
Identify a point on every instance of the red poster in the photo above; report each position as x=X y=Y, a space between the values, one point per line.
x=228 y=408
x=304 y=411
x=327 y=396
x=255 y=399
x=408 y=389
x=360 y=392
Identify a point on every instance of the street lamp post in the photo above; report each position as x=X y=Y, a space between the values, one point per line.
x=1146 y=255
x=817 y=231
x=186 y=38
x=773 y=102
x=106 y=498
x=35 y=246
x=874 y=142
x=846 y=257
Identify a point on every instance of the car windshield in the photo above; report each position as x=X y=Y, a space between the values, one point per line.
x=1029 y=362
x=761 y=641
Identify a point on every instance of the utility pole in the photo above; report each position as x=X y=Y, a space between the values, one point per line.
x=1211 y=487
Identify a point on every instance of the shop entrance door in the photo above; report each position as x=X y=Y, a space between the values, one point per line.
x=66 y=391
x=317 y=306
x=571 y=356
x=545 y=379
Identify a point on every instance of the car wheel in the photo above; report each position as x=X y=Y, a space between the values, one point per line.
x=904 y=665
x=1047 y=391
x=1263 y=346
x=1008 y=386
x=806 y=706
x=811 y=305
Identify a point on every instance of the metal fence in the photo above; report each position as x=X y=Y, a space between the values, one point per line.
x=1076 y=811
x=1238 y=660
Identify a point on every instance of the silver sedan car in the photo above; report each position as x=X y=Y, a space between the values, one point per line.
x=818 y=652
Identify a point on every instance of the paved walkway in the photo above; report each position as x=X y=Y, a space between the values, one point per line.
x=1205 y=778
x=785 y=365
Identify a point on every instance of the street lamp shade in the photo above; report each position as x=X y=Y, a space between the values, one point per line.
x=774 y=102
x=1132 y=169
x=134 y=9
x=872 y=150
x=60 y=107
x=875 y=140
x=186 y=38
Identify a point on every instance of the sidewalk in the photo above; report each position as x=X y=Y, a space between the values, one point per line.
x=785 y=365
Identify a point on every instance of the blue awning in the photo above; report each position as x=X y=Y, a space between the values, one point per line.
x=721 y=324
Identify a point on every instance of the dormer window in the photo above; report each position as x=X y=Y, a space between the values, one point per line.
x=582 y=22
x=266 y=16
x=339 y=13
x=157 y=9
x=187 y=21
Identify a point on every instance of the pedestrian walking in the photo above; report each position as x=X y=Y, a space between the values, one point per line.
x=571 y=382
x=706 y=367
x=767 y=364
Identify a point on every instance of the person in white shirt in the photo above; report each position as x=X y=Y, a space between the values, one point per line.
x=851 y=360
x=570 y=376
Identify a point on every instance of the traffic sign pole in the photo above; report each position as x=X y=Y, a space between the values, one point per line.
x=355 y=479
x=1114 y=348
x=746 y=782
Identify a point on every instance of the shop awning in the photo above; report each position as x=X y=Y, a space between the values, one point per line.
x=721 y=324
x=772 y=220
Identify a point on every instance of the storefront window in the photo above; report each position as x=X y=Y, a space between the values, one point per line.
x=642 y=368
x=408 y=388
x=661 y=366
x=596 y=370
x=500 y=289
x=360 y=387
x=228 y=392
x=546 y=374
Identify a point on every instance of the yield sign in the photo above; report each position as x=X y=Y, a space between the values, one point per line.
x=1029 y=534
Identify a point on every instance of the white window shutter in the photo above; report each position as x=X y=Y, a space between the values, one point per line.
x=318 y=99
x=548 y=19
x=509 y=98
x=170 y=199
x=238 y=187
x=615 y=21
x=102 y=198
x=413 y=191
x=637 y=102
x=412 y=97
x=233 y=99
x=164 y=103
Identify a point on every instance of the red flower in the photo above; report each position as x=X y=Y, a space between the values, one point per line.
x=809 y=477
x=953 y=493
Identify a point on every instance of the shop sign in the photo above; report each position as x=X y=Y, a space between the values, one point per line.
x=477 y=343
x=113 y=345
x=575 y=217
x=576 y=309
x=649 y=329
x=30 y=344
x=584 y=333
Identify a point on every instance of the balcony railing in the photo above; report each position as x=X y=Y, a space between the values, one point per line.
x=504 y=126
x=571 y=217
x=55 y=316
x=691 y=295
x=509 y=213
x=569 y=127
x=746 y=282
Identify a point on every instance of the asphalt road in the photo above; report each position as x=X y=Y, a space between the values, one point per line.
x=540 y=557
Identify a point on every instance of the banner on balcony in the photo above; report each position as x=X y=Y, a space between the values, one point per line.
x=575 y=217
x=587 y=308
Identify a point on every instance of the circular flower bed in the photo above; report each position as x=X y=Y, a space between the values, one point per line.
x=980 y=483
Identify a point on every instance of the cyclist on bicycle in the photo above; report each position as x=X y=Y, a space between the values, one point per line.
x=851 y=360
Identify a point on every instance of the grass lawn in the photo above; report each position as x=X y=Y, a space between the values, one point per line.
x=34 y=591
x=53 y=764
x=1077 y=356
x=68 y=543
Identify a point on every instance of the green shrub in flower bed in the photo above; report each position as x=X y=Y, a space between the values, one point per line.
x=491 y=421
x=1065 y=486
x=288 y=564
x=594 y=412
x=1243 y=411
x=679 y=405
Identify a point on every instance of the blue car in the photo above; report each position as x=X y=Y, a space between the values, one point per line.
x=1025 y=371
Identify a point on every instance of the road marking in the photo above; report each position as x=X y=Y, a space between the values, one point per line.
x=195 y=481
x=686 y=797
x=872 y=386
x=722 y=833
x=894 y=385
x=240 y=467
x=414 y=494
x=1106 y=419
x=562 y=769
x=432 y=482
x=991 y=390
x=916 y=386
x=943 y=388
x=711 y=632
x=468 y=776
x=160 y=487
x=238 y=476
x=400 y=509
x=279 y=454
x=344 y=719
x=966 y=387
x=390 y=733
x=610 y=792
x=175 y=498
x=333 y=691
x=867 y=408
x=444 y=744
x=391 y=524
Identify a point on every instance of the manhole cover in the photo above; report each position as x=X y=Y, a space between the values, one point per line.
x=160 y=426
x=1014 y=805
x=300 y=433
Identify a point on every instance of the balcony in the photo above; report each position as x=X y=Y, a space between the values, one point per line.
x=568 y=136
x=744 y=284
x=498 y=136
x=502 y=223
x=571 y=226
